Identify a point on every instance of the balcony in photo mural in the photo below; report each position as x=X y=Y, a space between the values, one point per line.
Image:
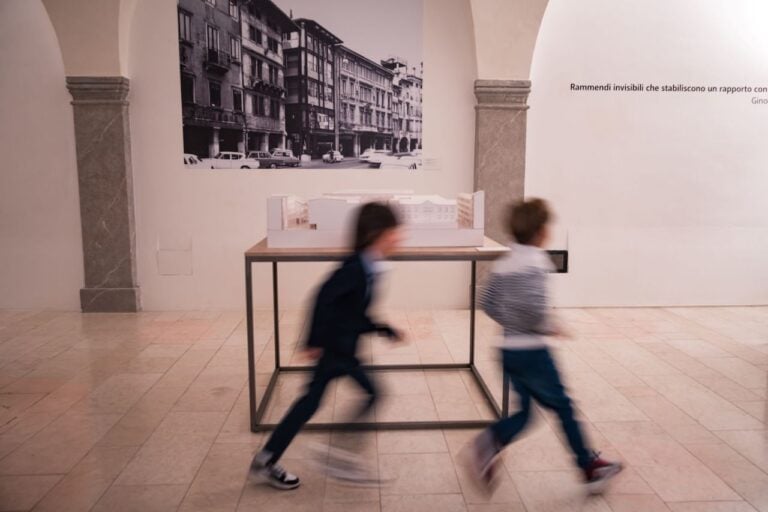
x=217 y=61
x=357 y=127
x=273 y=88
x=212 y=116
x=262 y=123
x=258 y=49
x=184 y=55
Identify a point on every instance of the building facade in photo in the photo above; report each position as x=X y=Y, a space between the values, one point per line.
x=310 y=78
x=263 y=26
x=365 y=104
x=232 y=88
x=407 y=87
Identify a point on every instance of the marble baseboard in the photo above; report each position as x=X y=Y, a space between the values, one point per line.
x=119 y=300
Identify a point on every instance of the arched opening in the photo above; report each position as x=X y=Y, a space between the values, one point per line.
x=40 y=187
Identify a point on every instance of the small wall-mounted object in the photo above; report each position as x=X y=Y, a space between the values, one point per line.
x=174 y=254
x=560 y=260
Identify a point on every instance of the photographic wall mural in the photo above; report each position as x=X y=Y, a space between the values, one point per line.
x=301 y=83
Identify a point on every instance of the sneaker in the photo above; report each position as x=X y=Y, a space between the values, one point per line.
x=599 y=471
x=349 y=468
x=274 y=475
x=485 y=460
x=350 y=473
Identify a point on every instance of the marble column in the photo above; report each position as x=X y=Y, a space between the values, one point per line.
x=102 y=138
x=500 y=132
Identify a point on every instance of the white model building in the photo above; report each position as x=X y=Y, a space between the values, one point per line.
x=427 y=211
x=332 y=213
x=286 y=212
x=326 y=221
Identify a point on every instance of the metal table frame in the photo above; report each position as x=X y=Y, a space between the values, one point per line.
x=260 y=254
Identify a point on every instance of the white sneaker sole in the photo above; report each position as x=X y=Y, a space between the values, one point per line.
x=471 y=466
x=262 y=477
x=599 y=486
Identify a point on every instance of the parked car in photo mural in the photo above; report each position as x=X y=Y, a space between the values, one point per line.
x=192 y=162
x=409 y=161
x=278 y=158
x=369 y=153
x=333 y=157
x=231 y=160
x=286 y=157
x=265 y=159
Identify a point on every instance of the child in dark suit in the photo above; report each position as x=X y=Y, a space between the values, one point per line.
x=338 y=319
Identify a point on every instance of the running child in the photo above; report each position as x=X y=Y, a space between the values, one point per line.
x=516 y=297
x=339 y=317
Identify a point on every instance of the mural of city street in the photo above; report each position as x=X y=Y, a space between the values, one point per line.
x=302 y=84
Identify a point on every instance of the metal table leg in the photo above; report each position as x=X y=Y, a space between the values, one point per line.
x=251 y=351
x=276 y=315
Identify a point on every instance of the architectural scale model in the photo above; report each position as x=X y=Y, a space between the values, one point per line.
x=326 y=221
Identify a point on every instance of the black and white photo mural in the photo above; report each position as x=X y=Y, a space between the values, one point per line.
x=301 y=83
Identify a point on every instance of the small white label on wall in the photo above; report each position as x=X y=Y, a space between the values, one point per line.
x=174 y=263
x=174 y=254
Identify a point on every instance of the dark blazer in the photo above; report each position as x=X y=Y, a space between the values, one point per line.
x=340 y=315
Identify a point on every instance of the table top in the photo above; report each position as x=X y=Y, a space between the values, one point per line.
x=489 y=251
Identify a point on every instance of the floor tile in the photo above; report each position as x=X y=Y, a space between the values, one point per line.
x=427 y=473
x=141 y=498
x=722 y=506
x=420 y=502
x=23 y=492
x=59 y=446
x=636 y=503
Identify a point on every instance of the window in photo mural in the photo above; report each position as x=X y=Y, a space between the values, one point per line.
x=301 y=83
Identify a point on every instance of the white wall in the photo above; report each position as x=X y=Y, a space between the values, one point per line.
x=221 y=213
x=40 y=243
x=662 y=197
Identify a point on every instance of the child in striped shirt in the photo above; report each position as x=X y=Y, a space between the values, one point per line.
x=516 y=297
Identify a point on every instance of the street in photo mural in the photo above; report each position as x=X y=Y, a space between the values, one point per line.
x=301 y=83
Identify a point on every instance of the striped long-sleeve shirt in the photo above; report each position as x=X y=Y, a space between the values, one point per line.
x=516 y=296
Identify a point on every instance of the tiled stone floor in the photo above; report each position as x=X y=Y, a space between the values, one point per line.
x=148 y=412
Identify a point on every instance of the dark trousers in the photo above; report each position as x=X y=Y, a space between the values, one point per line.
x=534 y=375
x=328 y=368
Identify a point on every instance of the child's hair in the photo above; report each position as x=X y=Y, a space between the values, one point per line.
x=527 y=218
x=373 y=219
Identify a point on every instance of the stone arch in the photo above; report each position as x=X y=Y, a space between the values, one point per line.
x=39 y=191
x=89 y=35
x=505 y=36
x=94 y=41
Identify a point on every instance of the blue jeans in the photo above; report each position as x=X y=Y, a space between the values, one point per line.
x=534 y=375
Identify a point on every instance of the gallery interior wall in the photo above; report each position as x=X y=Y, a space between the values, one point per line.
x=193 y=225
x=660 y=197
x=41 y=262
